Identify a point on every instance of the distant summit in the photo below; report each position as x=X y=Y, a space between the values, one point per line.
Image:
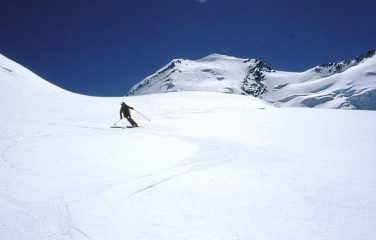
x=217 y=73
x=328 y=69
x=349 y=84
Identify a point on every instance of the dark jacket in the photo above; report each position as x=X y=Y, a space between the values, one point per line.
x=124 y=110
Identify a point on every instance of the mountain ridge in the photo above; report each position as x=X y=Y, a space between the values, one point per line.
x=227 y=74
x=208 y=165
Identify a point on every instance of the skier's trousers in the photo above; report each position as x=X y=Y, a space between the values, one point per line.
x=131 y=121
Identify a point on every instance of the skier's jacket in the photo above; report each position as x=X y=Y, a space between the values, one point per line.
x=124 y=110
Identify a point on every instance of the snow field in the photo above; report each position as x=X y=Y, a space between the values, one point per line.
x=207 y=166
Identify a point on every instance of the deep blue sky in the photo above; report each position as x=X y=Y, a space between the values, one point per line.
x=104 y=47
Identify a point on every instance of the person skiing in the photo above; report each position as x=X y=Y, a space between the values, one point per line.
x=124 y=110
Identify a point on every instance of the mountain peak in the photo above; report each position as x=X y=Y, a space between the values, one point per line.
x=328 y=69
x=217 y=56
x=214 y=73
x=329 y=85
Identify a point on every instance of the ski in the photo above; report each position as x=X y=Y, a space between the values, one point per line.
x=123 y=127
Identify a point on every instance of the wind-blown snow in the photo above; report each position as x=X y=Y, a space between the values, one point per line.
x=207 y=166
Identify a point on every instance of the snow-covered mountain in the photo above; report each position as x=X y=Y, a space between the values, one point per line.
x=207 y=166
x=347 y=84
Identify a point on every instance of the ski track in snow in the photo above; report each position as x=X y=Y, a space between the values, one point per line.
x=206 y=160
x=153 y=180
x=70 y=228
x=65 y=210
x=17 y=206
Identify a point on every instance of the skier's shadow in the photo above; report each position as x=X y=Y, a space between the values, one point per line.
x=118 y=127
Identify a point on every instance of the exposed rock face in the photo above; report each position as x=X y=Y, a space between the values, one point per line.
x=348 y=84
x=253 y=82
x=328 y=69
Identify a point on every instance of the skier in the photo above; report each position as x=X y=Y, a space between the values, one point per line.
x=124 y=110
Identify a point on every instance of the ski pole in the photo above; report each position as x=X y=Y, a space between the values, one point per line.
x=117 y=122
x=142 y=115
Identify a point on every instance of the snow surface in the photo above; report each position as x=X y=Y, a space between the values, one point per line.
x=214 y=73
x=339 y=90
x=351 y=86
x=207 y=166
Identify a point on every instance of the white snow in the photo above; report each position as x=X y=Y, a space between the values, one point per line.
x=298 y=88
x=353 y=87
x=207 y=166
x=214 y=73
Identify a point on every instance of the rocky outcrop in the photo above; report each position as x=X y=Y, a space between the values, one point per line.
x=253 y=83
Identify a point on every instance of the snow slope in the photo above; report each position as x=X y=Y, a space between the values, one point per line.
x=215 y=73
x=208 y=166
x=349 y=84
x=354 y=88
